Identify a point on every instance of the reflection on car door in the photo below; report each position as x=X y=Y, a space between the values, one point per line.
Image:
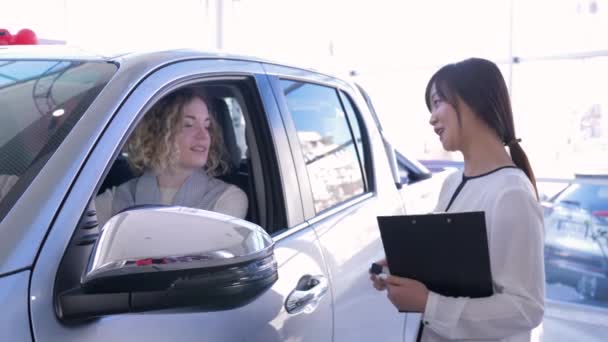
x=297 y=251
x=342 y=200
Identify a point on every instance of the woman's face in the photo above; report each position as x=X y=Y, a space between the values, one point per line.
x=193 y=138
x=444 y=120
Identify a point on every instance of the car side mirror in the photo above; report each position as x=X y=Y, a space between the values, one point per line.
x=172 y=257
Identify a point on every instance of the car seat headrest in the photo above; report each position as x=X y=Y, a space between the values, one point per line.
x=222 y=115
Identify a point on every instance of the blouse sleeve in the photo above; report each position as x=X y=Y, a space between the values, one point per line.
x=516 y=241
x=232 y=202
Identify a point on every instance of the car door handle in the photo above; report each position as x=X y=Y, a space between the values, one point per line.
x=307 y=294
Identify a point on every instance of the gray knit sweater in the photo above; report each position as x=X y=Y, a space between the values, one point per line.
x=198 y=191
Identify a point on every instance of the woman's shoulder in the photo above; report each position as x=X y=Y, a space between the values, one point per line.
x=232 y=201
x=233 y=190
x=219 y=184
x=226 y=188
x=514 y=179
x=124 y=190
x=514 y=190
x=455 y=176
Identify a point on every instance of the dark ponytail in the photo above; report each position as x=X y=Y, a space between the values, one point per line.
x=521 y=161
x=479 y=83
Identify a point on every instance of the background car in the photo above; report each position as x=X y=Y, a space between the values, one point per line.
x=576 y=240
x=438 y=165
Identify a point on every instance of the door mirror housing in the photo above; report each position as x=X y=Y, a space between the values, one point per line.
x=152 y=258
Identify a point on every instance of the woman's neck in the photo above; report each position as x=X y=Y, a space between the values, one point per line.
x=485 y=154
x=173 y=178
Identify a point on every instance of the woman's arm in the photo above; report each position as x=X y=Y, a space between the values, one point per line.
x=516 y=241
x=232 y=202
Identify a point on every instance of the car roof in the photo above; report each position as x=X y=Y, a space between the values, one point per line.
x=602 y=176
x=595 y=173
x=41 y=52
x=152 y=57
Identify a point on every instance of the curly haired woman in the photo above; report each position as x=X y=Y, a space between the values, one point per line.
x=177 y=150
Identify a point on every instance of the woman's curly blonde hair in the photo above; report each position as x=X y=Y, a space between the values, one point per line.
x=153 y=145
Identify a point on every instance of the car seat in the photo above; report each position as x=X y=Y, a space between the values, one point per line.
x=224 y=120
x=239 y=173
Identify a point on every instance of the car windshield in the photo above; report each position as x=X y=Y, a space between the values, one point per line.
x=40 y=102
x=591 y=197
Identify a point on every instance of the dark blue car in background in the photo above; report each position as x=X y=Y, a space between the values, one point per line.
x=576 y=231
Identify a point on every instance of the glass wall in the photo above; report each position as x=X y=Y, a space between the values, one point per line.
x=554 y=57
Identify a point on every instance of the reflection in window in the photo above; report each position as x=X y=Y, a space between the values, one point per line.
x=327 y=145
x=238 y=122
x=41 y=101
x=356 y=132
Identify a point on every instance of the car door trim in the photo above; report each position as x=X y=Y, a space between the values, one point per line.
x=340 y=207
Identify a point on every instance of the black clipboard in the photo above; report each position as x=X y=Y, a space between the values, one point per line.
x=448 y=252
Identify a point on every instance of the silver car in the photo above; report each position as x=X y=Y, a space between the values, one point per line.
x=296 y=269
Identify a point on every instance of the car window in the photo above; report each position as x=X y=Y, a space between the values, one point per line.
x=41 y=101
x=548 y=191
x=591 y=197
x=326 y=141
x=357 y=134
x=221 y=162
x=238 y=123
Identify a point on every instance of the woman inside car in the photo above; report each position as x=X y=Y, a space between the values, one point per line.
x=177 y=150
x=471 y=113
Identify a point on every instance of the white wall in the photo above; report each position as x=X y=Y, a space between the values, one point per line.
x=116 y=24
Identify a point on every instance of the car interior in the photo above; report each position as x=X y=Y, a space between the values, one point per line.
x=228 y=106
x=235 y=104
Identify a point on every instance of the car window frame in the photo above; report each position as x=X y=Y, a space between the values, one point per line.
x=44 y=154
x=278 y=73
x=367 y=163
x=116 y=130
x=198 y=80
x=77 y=239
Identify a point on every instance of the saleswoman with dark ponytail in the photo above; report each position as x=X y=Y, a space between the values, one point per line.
x=471 y=113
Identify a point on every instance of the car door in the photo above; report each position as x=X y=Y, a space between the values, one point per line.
x=419 y=187
x=346 y=182
x=296 y=250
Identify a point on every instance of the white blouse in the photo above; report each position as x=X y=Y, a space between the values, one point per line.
x=514 y=222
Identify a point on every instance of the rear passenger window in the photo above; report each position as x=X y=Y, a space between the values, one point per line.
x=238 y=122
x=358 y=135
x=327 y=143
